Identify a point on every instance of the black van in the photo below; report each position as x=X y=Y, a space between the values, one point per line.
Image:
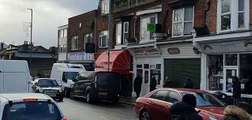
x=97 y=86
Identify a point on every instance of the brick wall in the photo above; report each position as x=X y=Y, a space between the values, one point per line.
x=87 y=26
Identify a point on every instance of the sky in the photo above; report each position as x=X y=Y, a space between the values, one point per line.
x=48 y=16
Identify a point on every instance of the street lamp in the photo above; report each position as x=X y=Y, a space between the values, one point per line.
x=31 y=37
x=109 y=31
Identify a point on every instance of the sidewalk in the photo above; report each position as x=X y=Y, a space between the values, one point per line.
x=127 y=100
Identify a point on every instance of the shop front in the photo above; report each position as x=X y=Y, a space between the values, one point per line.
x=181 y=62
x=148 y=63
x=225 y=57
x=120 y=62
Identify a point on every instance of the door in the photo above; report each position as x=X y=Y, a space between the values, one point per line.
x=228 y=74
x=1 y=76
x=146 y=83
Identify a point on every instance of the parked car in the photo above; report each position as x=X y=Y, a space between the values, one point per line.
x=156 y=104
x=29 y=106
x=49 y=87
x=65 y=74
x=97 y=86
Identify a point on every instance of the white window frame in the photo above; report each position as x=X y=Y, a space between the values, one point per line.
x=119 y=33
x=183 y=21
x=105 y=6
x=102 y=34
x=74 y=40
x=65 y=33
x=234 y=16
x=125 y=32
x=143 y=28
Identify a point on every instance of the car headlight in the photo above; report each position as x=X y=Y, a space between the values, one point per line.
x=41 y=90
x=213 y=118
x=60 y=90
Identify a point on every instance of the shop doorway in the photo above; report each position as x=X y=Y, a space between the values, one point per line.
x=229 y=72
x=146 y=84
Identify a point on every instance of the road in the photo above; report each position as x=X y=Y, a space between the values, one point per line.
x=80 y=110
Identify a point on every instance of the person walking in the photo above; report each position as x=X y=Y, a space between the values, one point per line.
x=153 y=83
x=138 y=84
x=188 y=84
x=236 y=90
x=185 y=110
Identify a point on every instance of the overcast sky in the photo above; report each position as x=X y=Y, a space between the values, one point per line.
x=48 y=15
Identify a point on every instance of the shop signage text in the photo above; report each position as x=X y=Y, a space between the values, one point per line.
x=151 y=51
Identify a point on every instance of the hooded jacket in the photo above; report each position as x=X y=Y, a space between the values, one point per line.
x=235 y=113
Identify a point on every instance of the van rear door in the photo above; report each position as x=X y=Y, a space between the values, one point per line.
x=15 y=76
x=1 y=76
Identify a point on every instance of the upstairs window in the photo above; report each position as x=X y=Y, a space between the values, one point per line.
x=103 y=39
x=74 y=43
x=88 y=38
x=105 y=6
x=146 y=35
x=182 y=22
x=122 y=32
x=233 y=15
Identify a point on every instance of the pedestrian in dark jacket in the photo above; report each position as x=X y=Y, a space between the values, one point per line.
x=185 y=110
x=188 y=83
x=153 y=83
x=138 y=85
x=236 y=90
x=232 y=112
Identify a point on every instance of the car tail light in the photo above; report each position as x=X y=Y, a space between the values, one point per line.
x=30 y=99
x=64 y=118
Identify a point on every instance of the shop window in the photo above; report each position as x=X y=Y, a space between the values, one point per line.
x=146 y=66
x=215 y=72
x=146 y=77
x=158 y=66
x=231 y=59
x=139 y=66
x=245 y=73
x=156 y=74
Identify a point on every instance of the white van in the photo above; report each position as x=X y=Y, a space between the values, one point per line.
x=65 y=74
x=14 y=76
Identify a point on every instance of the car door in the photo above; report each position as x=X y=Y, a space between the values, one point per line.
x=76 y=87
x=158 y=106
x=83 y=86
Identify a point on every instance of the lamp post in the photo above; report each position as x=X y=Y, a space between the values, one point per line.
x=109 y=31
x=31 y=25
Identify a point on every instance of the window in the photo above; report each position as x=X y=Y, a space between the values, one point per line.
x=88 y=38
x=119 y=33
x=65 y=33
x=233 y=15
x=61 y=34
x=146 y=35
x=122 y=33
x=174 y=97
x=160 y=95
x=74 y=43
x=125 y=31
x=103 y=41
x=182 y=21
x=105 y=6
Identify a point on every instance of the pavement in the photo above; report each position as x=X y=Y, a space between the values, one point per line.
x=127 y=100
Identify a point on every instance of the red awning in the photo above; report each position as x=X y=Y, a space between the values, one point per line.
x=119 y=62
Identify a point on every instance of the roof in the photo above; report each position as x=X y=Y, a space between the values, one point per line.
x=21 y=96
x=184 y=90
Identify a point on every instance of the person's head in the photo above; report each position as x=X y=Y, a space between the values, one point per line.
x=189 y=99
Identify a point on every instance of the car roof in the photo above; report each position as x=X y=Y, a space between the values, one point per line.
x=21 y=96
x=184 y=90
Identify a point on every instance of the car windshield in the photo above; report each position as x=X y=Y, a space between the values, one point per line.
x=47 y=83
x=32 y=111
x=205 y=99
x=70 y=75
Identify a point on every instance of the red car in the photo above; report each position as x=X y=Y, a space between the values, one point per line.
x=155 y=105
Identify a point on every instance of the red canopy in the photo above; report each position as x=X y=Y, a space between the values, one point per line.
x=119 y=62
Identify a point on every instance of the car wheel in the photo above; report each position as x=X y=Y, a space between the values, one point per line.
x=89 y=98
x=144 y=115
x=66 y=92
x=71 y=96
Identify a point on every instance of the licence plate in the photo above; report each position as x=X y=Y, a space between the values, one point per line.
x=103 y=93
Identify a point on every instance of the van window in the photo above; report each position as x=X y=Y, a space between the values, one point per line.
x=69 y=75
